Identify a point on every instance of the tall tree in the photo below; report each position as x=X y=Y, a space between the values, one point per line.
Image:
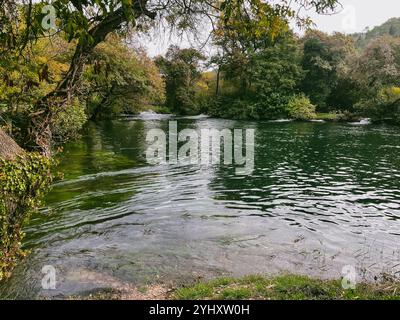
x=181 y=70
x=324 y=57
x=119 y=79
x=376 y=71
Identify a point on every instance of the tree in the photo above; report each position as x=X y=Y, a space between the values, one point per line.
x=259 y=73
x=25 y=79
x=8 y=148
x=300 y=108
x=377 y=74
x=274 y=73
x=248 y=30
x=119 y=79
x=378 y=65
x=181 y=71
x=323 y=60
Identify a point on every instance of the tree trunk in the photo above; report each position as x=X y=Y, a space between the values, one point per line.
x=103 y=102
x=9 y=149
x=218 y=77
x=40 y=131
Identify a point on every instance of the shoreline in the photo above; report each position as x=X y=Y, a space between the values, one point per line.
x=255 y=287
x=320 y=117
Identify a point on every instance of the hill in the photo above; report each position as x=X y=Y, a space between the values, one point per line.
x=390 y=27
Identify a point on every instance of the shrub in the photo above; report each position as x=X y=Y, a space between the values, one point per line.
x=69 y=121
x=300 y=108
x=385 y=105
x=229 y=107
x=23 y=184
x=233 y=107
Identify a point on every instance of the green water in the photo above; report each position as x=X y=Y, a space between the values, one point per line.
x=321 y=196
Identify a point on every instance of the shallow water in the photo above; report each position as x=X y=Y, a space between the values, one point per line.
x=321 y=196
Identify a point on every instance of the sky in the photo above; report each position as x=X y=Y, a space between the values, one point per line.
x=354 y=16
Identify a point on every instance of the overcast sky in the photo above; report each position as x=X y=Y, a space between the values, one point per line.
x=355 y=16
x=358 y=14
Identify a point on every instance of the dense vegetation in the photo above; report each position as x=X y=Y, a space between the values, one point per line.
x=287 y=76
x=259 y=76
x=23 y=184
x=296 y=77
x=116 y=79
x=181 y=71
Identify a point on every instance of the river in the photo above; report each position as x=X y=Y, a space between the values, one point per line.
x=321 y=196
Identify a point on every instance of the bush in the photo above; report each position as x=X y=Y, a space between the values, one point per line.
x=23 y=184
x=300 y=108
x=384 y=106
x=338 y=116
x=160 y=109
x=229 y=107
x=245 y=108
x=68 y=122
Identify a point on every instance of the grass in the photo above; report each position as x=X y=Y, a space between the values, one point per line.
x=285 y=287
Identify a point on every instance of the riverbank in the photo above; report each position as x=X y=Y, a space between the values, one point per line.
x=283 y=287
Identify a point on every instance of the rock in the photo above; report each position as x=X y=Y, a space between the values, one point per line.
x=9 y=149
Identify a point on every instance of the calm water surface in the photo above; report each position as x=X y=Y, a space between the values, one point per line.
x=322 y=196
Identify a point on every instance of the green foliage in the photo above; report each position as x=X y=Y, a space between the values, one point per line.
x=248 y=25
x=377 y=66
x=119 y=79
x=259 y=59
x=78 y=19
x=385 y=105
x=24 y=79
x=23 y=184
x=275 y=74
x=323 y=61
x=231 y=107
x=69 y=121
x=300 y=108
x=336 y=116
x=264 y=83
x=27 y=78
x=259 y=76
x=180 y=68
x=376 y=73
x=160 y=109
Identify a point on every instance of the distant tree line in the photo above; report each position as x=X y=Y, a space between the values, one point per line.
x=259 y=75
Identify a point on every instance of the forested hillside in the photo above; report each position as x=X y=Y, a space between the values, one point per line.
x=390 y=28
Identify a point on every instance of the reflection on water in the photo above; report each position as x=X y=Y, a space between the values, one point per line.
x=321 y=196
